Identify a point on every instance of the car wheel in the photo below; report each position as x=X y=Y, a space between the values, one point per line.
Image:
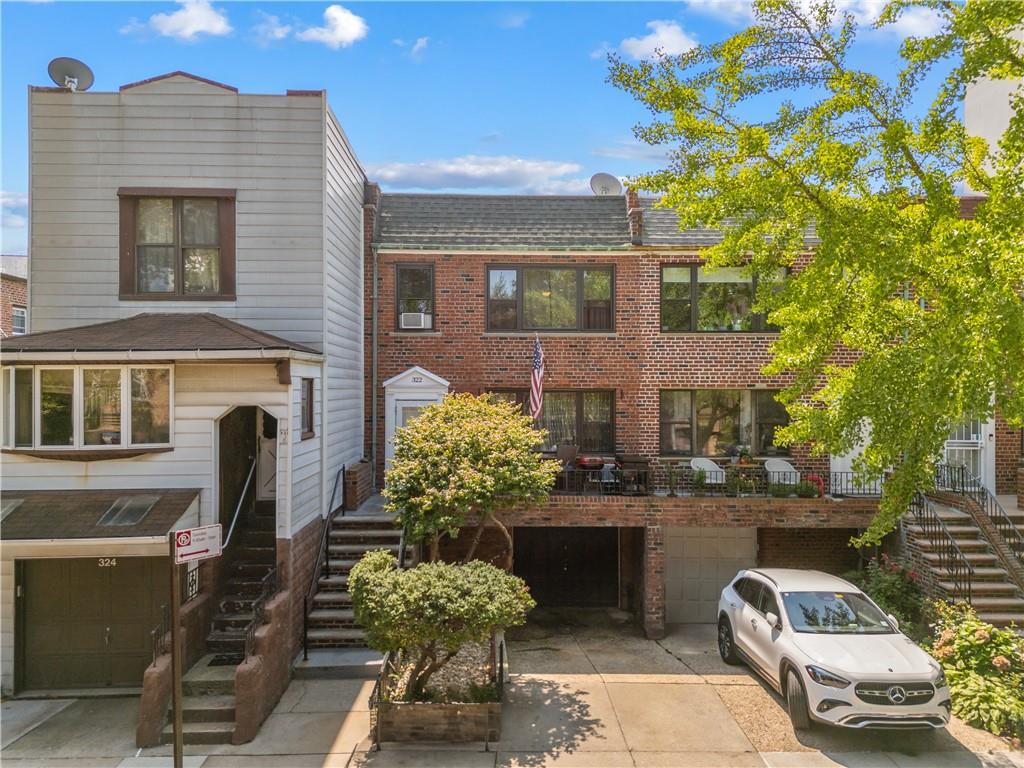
x=726 y=645
x=796 y=702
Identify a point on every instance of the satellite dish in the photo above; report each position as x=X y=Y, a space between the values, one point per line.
x=70 y=73
x=605 y=184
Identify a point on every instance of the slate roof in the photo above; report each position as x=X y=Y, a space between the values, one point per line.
x=661 y=227
x=75 y=514
x=154 y=332
x=433 y=221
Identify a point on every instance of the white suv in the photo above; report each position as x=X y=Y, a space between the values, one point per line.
x=833 y=653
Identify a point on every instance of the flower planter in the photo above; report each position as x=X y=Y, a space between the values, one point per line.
x=427 y=721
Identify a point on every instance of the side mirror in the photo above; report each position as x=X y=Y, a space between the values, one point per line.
x=893 y=620
x=773 y=620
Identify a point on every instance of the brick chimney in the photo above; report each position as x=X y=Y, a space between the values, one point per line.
x=635 y=215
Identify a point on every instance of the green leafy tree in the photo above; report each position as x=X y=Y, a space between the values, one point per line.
x=927 y=304
x=428 y=612
x=461 y=461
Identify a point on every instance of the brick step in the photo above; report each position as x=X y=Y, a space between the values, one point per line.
x=340 y=566
x=366 y=522
x=208 y=709
x=319 y=616
x=332 y=600
x=226 y=641
x=201 y=733
x=333 y=582
x=1002 y=618
x=979 y=588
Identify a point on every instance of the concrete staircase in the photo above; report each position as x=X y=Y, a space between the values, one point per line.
x=994 y=594
x=208 y=705
x=253 y=563
x=331 y=620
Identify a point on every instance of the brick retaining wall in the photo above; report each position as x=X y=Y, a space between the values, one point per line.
x=419 y=721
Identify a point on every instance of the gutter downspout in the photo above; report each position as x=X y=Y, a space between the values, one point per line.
x=373 y=371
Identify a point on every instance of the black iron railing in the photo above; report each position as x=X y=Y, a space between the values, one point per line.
x=268 y=587
x=191 y=590
x=960 y=481
x=321 y=567
x=951 y=559
x=160 y=635
x=380 y=694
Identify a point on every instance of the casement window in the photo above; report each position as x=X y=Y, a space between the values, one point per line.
x=550 y=298
x=584 y=418
x=414 y=297
x=307 y=409
x=177 y=244
x=712 y=422
x=695 y=299
x=19 y=320
x=86 y=407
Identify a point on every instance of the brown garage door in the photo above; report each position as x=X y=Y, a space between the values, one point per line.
x=569 y=566
x=86 y=621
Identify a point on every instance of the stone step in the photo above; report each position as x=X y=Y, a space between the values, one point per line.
x=367 y=522
x=340 y=566
x=990 y=573
x=1005 y=604
x=208 y=709
x=332 y=599
x=979 y=588
x=336 y=635
x=237 y=603
x=320 y=616
x=201 y=733
x=206 y=680
x=358 y=550
x=244 y=586
x=956 y=531
x=261 y=554
x=359 y=534
x=226 y=640
x=259 y=538
x=245 y=569
x=974 y=558
x=232 y=621
x=1002 y=618
x=333 y=582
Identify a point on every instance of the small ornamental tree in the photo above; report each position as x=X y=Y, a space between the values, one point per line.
x=428 y=612
x=459 y=462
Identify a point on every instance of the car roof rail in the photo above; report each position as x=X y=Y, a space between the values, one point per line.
x=764 y=575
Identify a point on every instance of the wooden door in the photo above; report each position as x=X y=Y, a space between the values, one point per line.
x=576 y=567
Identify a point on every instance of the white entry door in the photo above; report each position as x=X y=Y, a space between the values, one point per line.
x=266 y=462
x=699 y=562
x=971 y=445
x=405 y=411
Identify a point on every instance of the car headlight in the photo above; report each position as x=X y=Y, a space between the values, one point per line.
x=939 y=681
x=824 y=677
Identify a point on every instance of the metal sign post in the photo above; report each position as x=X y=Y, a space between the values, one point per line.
x=185 y=546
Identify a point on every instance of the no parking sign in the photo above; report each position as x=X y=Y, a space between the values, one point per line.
x=196 y=543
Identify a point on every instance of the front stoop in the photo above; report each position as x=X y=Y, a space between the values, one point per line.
x=208 y=705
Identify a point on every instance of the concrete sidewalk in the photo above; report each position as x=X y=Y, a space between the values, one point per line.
x=581 y=697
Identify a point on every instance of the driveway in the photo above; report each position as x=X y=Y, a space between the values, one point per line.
x=587 y=690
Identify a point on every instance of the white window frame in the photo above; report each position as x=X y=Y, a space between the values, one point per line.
x=7 y=421
x=16 y=311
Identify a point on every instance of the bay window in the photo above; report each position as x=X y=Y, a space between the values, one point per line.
x=697 y=299
x=717 y=422
x=87 y=407
x=546 y=298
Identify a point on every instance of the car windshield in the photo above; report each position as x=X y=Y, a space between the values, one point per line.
x=834 y=613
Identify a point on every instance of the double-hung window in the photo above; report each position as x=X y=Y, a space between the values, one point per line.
x=177 y=244
x=713 y=422
x=414 y=297
x=308 y=422
x=544 y=298
x=91 y=407
x=19 y=320
x=696 y=299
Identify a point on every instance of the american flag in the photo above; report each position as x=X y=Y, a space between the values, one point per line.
x=537 y=381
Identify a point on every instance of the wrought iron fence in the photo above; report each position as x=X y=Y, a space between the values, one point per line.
x=268 y=587
x=962 y=481
x=379 y=695
x=191 y=586
x=951 y=559
x=159 y=636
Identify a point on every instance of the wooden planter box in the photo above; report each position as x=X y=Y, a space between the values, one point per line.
x=424 y=721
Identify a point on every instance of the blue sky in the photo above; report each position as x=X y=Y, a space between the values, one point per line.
x=478 y=97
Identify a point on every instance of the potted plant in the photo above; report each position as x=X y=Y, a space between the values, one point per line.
x=732 y=482
x=745 y=455
x=672 y=478
x=700 y=482
x=806 y=490
x=733 y=452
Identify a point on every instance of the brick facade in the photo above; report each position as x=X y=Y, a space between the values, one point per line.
x=1007 y=456
x=13 y=293
x=295 y=560
x=822 y=549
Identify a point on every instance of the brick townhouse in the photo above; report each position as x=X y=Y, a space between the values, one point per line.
x=13 y=296
x=653 y=367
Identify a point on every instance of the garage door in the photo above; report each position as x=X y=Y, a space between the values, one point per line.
x=86 y=621
x=698 y=563
x=576 y=567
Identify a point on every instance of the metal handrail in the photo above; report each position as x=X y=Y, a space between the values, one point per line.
x=268 y=586
x=321 y=560
x=960 y=481
x=241 y=501
x=951 y=557
x=158 y=635
x=378 y=695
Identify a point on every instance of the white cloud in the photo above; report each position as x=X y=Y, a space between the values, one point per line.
x=665 y=37
x=194 y=18
x=341 y=28
x=730 y=11
x=480 y=172
x=13 y=199
x=416 y=52
x=271 y=29
x=13 y=220
x=514 y=20
x=602 y=50
x=630 y=149
x=13 y=216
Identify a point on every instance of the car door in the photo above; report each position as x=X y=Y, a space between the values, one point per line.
x=746 y=616
x=764 y=638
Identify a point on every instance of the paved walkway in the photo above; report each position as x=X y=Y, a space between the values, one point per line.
x=580 y=697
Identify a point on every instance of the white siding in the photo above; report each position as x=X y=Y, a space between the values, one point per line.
x=6 y=626
x=343 y=316
x=178 y=133
x=306 y=478
x=202 y=394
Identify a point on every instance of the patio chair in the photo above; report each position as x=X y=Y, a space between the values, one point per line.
x=713 y=474
x=781 y=472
